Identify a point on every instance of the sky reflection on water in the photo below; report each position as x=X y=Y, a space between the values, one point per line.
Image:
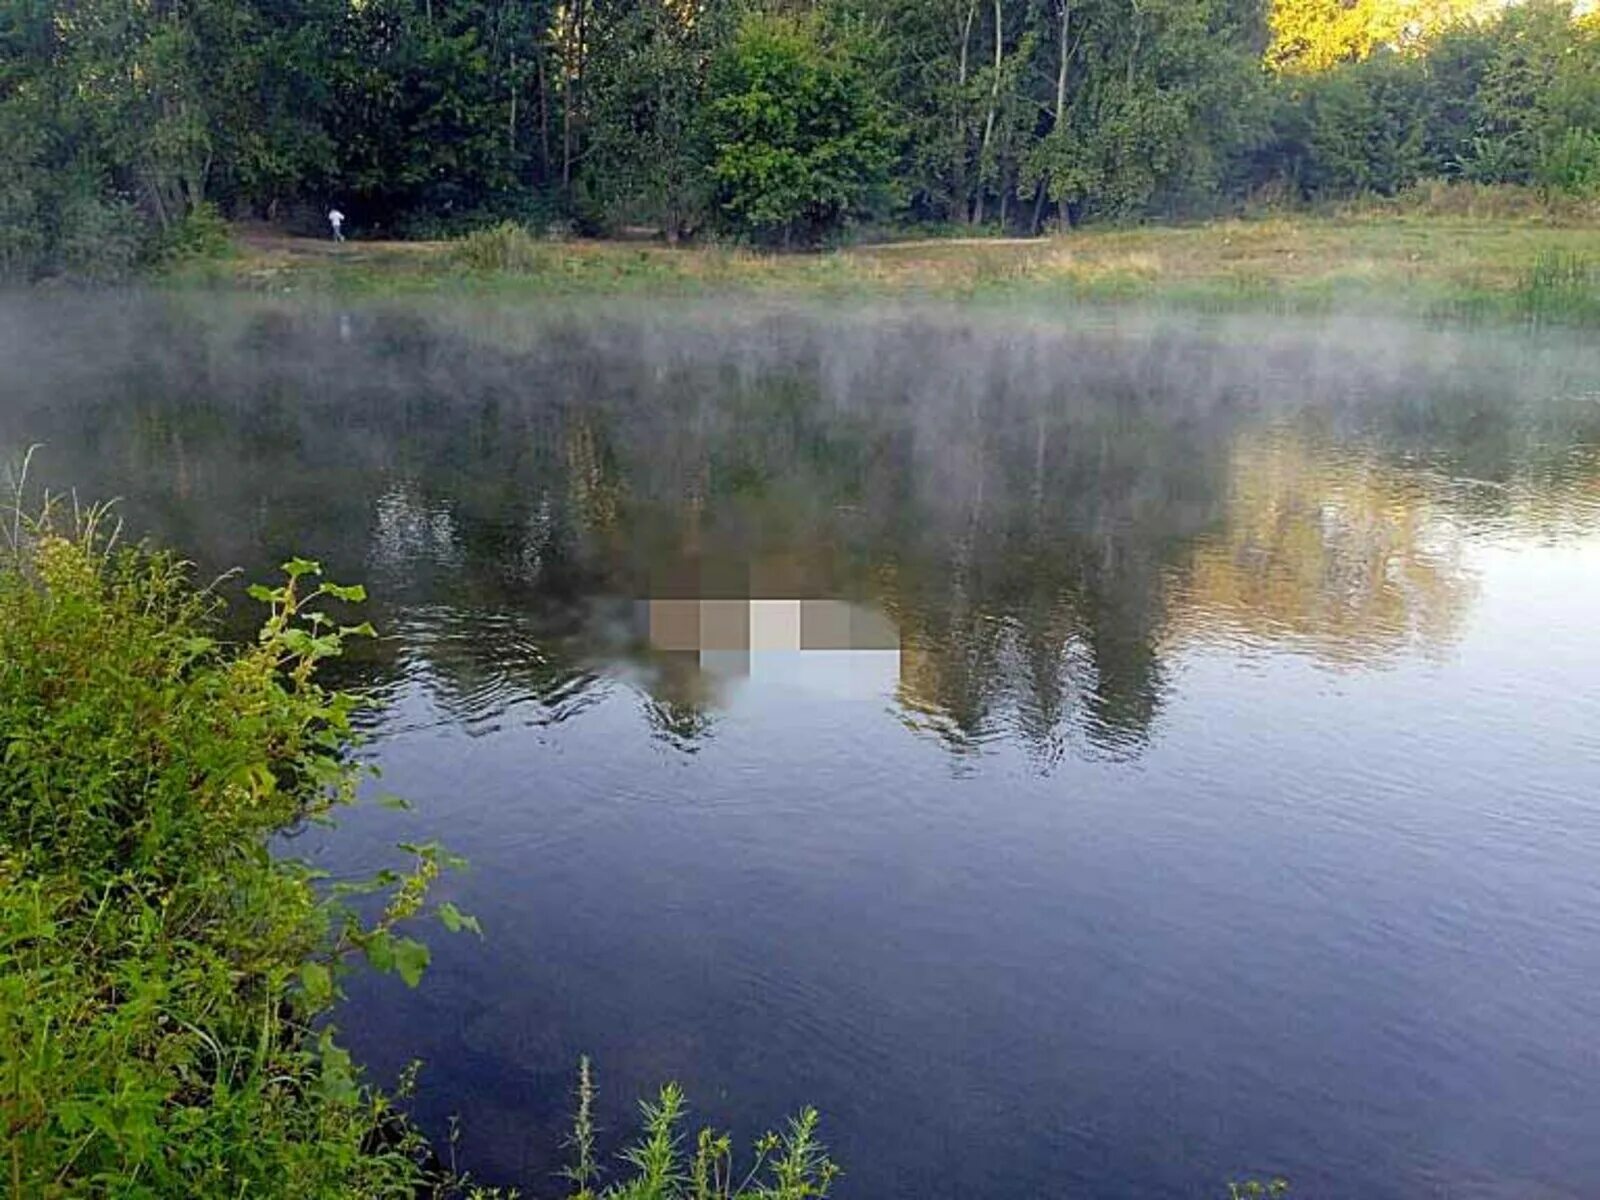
x=1210 y=790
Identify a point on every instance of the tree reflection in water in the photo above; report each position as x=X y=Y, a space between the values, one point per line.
x=1045 y=513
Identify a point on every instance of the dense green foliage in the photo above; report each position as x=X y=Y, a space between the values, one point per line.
x=767 y=120
x=159 y=970
x=1514 y=101
x=798 y=141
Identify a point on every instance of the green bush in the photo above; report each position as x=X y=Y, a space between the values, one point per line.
x=202 y=234
x=1570 y=162
x=507 y=246
x=799 y=141
x=62 y=226
x=160 y=970
x=22 y=235
x=100 y=240
x=1357 y=130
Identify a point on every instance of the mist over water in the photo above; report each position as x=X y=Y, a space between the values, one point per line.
x=1086 y=752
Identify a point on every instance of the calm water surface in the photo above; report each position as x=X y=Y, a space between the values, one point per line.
x=1082 y=754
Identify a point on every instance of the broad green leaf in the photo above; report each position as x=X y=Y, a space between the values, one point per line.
x=379 y=949
x=318 y=982
x=411 y=959
x=450 y=917
x=453 y=919
x=196 y=646
x=297 y=641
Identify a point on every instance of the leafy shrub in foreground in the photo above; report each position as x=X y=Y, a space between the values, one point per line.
x=160 y=970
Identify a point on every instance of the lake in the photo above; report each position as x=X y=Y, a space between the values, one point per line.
x=1089 y=753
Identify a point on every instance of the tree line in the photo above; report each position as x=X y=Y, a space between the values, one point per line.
x=126 y=125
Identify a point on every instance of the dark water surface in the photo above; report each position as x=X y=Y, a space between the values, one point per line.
x=1082 y=754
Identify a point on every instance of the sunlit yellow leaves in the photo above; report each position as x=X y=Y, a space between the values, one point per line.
x=1314 y=35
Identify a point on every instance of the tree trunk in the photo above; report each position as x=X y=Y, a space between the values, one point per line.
x=994 y=104
x=582 y=9
x=1138 y=36
x=571 y=91
x=958 y=174
x=544 y=123
x=511 y=118
x=566 y=124
x=1061 y=97
x=1061 y=69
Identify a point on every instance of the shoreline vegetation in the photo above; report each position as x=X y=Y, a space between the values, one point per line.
x=1452 y=252
x=132 y=134
x=166 y=980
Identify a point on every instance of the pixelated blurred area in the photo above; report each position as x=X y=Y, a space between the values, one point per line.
x=763 y=625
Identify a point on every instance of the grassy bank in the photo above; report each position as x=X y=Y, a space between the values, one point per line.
x=165 y=980
x=1421 y=262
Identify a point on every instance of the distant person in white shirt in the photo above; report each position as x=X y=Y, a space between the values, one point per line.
x=336 y=219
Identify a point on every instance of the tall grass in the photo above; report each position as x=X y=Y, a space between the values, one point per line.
x=1561 y=288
